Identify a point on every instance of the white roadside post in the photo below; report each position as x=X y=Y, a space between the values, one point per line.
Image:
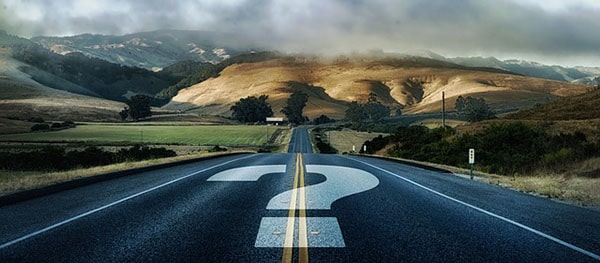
x=471 y=161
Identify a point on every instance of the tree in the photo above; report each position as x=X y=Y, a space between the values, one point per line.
x=355 y=112
x=124 y=114
x=399 y=111
x=139 y=107
x=252 y=109
x=295 y=105
x=322 y=120
x=474 y=109
x=374 y=109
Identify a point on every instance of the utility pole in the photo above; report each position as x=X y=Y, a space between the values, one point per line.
x=444 y=110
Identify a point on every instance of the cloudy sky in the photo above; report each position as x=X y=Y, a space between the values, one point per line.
x=565 y=32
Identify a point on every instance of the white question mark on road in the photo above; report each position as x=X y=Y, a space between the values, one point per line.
x=340 y=182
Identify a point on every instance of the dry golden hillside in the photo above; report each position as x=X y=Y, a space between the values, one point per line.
x=414 y=83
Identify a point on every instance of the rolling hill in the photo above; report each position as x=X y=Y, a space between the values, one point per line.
x=22 y=98
x=411 y=82
x=77 y=73
x=580 y=107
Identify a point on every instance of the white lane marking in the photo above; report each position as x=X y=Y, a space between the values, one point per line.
x=340 y=182
x=537 y=232
x=10 y=243
x=247 y=174
x=327 y=233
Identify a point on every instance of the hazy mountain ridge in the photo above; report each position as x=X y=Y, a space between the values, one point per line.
x=580 y=75
x=158 y=49
x=81 y=74
x=151 y=50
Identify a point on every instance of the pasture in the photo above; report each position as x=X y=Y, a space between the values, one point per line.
x=227 y=135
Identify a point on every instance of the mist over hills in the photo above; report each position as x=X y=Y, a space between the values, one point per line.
x=158 y=49
x=580 y=75
x=211 y=71
x=152 y=50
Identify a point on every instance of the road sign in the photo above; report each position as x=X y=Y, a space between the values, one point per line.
x=471 y=156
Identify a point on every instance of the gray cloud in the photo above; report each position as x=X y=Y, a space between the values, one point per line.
x=564 y=32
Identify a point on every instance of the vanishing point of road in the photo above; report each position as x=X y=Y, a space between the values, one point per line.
x=296 y=207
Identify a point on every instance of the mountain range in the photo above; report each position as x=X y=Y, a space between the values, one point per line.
x=579 y=75
x=152 y=50
x=206 y=72
x=158 y=49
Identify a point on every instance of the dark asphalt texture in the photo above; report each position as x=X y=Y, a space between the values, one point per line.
x=195 y=220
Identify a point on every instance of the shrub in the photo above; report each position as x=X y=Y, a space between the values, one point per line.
x=376 y=144
x=217 y=148
x=69 y=124
x=40 y=127
x=138 y=153
x=58 y=159
x=507 y=148
x=325 y=147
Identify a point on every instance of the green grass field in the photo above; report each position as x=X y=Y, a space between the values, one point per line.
x=231 y=135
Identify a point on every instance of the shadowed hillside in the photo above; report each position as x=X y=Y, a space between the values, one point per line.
x=580 y=107
x=22 y=98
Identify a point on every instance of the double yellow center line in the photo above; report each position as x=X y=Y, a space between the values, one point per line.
x=298 y=196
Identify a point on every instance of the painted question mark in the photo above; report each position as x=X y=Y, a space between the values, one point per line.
x=340 y=182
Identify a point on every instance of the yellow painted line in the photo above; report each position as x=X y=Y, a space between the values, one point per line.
x=298 y=196
x=288 y=244
x=302 y=228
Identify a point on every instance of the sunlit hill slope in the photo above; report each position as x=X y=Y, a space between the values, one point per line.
x=410 y=82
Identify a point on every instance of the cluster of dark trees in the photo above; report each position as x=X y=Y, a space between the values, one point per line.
x=507 y=148
x=252 y=109
x=323 y=145
x=474 y=109
x=138 y=107
x=59 y=159
x=255 y=110
x=294 y=107
x=371 y=111
x=189 y=73
x=323 y=119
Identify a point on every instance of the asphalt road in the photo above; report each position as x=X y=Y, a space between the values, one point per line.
x=296 y=207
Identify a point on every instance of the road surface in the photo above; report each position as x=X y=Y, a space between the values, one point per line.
x=296 y=207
